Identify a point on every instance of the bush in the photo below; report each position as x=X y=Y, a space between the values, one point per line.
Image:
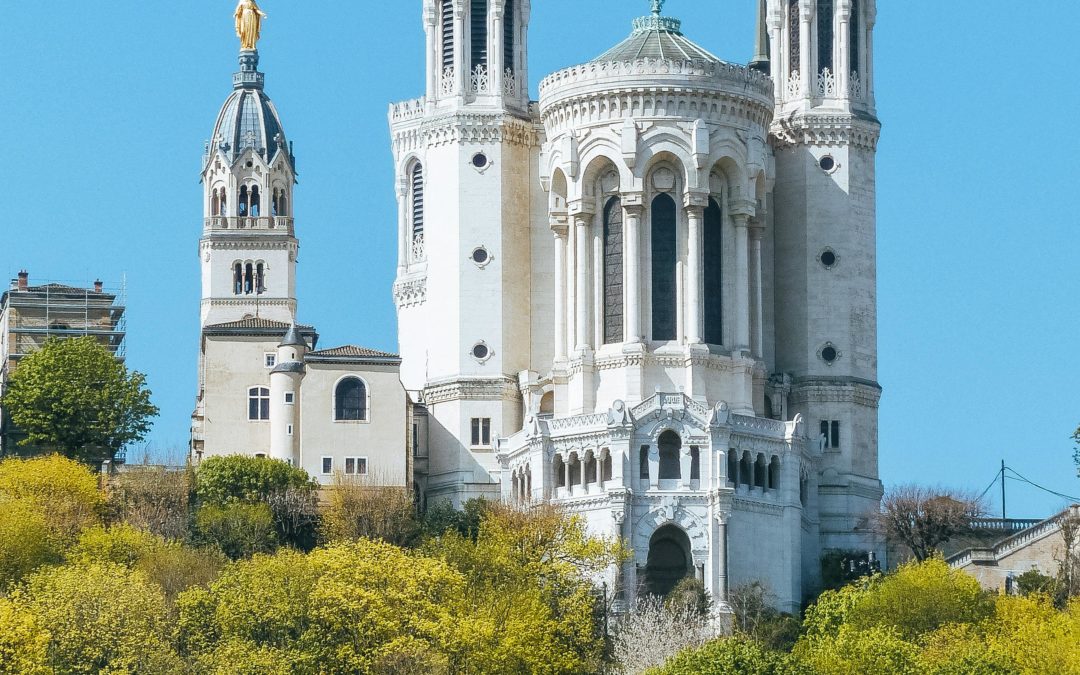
x=231 y=479
x=26 y=542
x=119 y=544
x=654 y=632
x=175 y=568
x=239 y=530
x=65 y=491
x=24 y=643
x=358 y=509
x=729 y=656
x=153 y=499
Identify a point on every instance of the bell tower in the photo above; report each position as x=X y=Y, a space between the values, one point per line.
x=466 y=156
x=248 y=246
x=825 y=135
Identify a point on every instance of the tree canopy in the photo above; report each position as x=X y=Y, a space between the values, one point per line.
x=73 y=396
x=923 y=518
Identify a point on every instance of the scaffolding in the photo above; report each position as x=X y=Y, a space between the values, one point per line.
x=37 y=313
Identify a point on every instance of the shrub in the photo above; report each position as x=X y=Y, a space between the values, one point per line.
x=230 y=479
x=239 y=530
x=729 y=656
x=65 y=491
x=654 y=632
x=153 y=499
x=26 y=542
x=119 y=544
x=24 y=642
x=359 y=509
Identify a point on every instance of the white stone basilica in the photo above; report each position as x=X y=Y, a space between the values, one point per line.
x=649 y=298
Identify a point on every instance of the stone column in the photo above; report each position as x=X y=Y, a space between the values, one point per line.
x=434 y=65
x=495 y=47
x=867 y=60
x=843 y=39
x=779 y=64
x=461 y=63
x=756 y=308
x=742 y=282
x=404 y=240
x=559 y=230
x=806 y=54
x=581 y=226
x=566 y=475
x=632 y=271
x=722 y=557
x=695 y=216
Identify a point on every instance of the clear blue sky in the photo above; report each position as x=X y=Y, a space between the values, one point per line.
x=105 y=107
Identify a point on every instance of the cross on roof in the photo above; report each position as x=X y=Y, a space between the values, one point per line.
x=657 y=6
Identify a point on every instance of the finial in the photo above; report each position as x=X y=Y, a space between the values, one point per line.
x=248 y=23
x=657 y=7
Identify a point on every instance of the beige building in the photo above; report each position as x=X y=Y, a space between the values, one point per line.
x=264 y=387
x=30 y=315
x=1041 y=547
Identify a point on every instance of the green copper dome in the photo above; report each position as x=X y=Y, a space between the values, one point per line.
x=657 y=37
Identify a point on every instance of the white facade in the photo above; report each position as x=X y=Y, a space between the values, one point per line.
x=263 y=387
x=651 y=296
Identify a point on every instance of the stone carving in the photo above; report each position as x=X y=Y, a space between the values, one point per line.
x=721 y=414
x=826 y=84
x=248 y=23
x=619 y=415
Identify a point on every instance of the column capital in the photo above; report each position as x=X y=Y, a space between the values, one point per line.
x=742 y=207
x=578 y=207
x=559 y=228
x=632 y=199
x=696 y=200
x=757 y=228
x=742 y=221
x=806 y=9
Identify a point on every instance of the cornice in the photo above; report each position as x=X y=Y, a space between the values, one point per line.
x=410 y=292
x=825 y=129
x=472 y=389
x=458 y=127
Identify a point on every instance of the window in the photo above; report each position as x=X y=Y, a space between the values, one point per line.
x=613 y=271
x=269 y=359
x=288 y=430
x=664 y=255
x=853 y=48
x=290 y=398
x=481 y=432
x=559 y=469
x=795 y=54
x=416 y=440
x=670 y=445
x=258 y=404
x=825 y=35
x=478 y=25
x=643 y=462
x=774 y=473
x=447 y=33
x=695 y=463
x=356 y=466
x=242 y=202
x=327 y=466
x=509 y=30
x=417 y=200
x=733 y=467
x=830 y=429
x=350 y=400
x=712 y=253
x=238 y=279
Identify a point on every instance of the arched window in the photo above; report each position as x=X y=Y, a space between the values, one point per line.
x=258 y=403
x=249 y=279
x=774 y=473
x=478 y=17
x=447 y=25
x=559 y=469
x=224 y=200
x=795 y=54
x=613 y=272
x=643 y=463
x=760 y=472
x=825 y=18
x=746 y=470
x=509 y=31
x=669 y=445
x=664 y=255
x=575 y=470
x=260 y=278
x=417 y=200
x=605 y=467
x=589 y=467
x=855 y=27
x=242 y=203
x=695 y=463
x=350 y=400
x=713 y=254
x=238 y=279
x=215 y=203
x=254 y=200
x=732 y=467
x=274 y=203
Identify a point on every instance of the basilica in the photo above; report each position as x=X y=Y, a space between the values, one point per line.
x=648 y=297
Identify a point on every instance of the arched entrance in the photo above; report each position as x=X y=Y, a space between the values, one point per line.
x=669 y=560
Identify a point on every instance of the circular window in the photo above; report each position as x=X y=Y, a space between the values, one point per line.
x=480 y=351
x=480 y=256
x=827 y=163
x=479 y=160
x=829 y=354
x=828 y=258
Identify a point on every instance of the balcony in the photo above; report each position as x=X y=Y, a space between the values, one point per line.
x=282 y=224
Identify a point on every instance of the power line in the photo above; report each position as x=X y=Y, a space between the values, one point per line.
x=1032 y=483
x=997 y=474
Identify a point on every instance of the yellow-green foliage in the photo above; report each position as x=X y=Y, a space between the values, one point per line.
x=65 y=491
x=100 y=618
x=119 y=544
x=23 y=642
x=26 y=542
x=730 y=656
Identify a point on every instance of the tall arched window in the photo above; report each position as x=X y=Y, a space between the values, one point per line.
x=669 y=445
x=825 y=18
x=613 y=271
x=855 y=26
x=350 y=400
x=794 y=46
x=664 y=255
x=713 y=276
x=254 y=200
x=479 y=32
x=238 y=279
x=509 y=31
x=242 y=203
x=417 y=199
x=447 y=25
x=260 y=278
x=249 y=278
x=258 y=404
x=215 y=203
x=224 y=202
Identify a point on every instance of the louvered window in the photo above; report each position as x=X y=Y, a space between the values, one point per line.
x=853 y=25
x=663 y=268
x=613 y=272
x=479 y=33
x=713 y=251
x=417 y=200
x=509 y=29
x=448 y=33
x=793 y=37
x=825 y=35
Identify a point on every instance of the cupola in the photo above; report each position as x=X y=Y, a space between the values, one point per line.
x=248 y=119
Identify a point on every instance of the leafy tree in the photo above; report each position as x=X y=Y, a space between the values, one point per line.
x=441 y=517
x=1034 y=582
x=361 y=508
x=851 y=651
x=119 y=545
x=922 y=519
x=99 y=618
x=239 y=530
x=74 y=397
x=65 y=492
x=24 y=642
x=26 y=542
x=730 y=656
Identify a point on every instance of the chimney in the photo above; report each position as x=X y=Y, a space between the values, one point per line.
x=24 y=280
x=97 y=286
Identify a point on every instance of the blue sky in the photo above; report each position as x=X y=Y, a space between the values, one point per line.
x=106 y=106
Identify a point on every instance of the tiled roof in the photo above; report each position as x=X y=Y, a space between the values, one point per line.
x=352 y=351
x=255 y=322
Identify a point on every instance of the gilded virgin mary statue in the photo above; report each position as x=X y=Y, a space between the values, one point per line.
x=248 y=23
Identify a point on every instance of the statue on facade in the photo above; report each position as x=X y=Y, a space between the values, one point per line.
x=248 y=23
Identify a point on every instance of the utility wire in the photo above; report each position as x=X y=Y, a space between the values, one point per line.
x=997 y=474
x=1036 y=485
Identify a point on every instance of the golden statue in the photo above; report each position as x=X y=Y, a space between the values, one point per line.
x=248 y=23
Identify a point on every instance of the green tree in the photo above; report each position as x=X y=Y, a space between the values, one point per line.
x=99 y=618
x=65 y=492
x=74 y=397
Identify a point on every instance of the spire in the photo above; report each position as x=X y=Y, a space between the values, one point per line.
x=761 y=41
x=293 y=338
x=657 y=7
x=656 y=22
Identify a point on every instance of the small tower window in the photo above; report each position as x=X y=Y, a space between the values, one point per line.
x=249 y=278
x=417 y=199
x=825 y=35
x=643 y=462
x=713 y=277
x=242 y=203
x=613 y=272
x=664 y=255
x=509 y=31
x=447 y=26
x=794 y=46
x=260 y=278
x=258 y=404
x=774 y=473
x=224 y=200
x=238 y=279
x=669 y=445
x=854 y=26
x=215 y=203
x=479 y=32
x=254 y=201
x=350 y=400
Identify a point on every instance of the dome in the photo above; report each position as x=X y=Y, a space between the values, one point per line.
x=657 y=37
x=248 y=118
